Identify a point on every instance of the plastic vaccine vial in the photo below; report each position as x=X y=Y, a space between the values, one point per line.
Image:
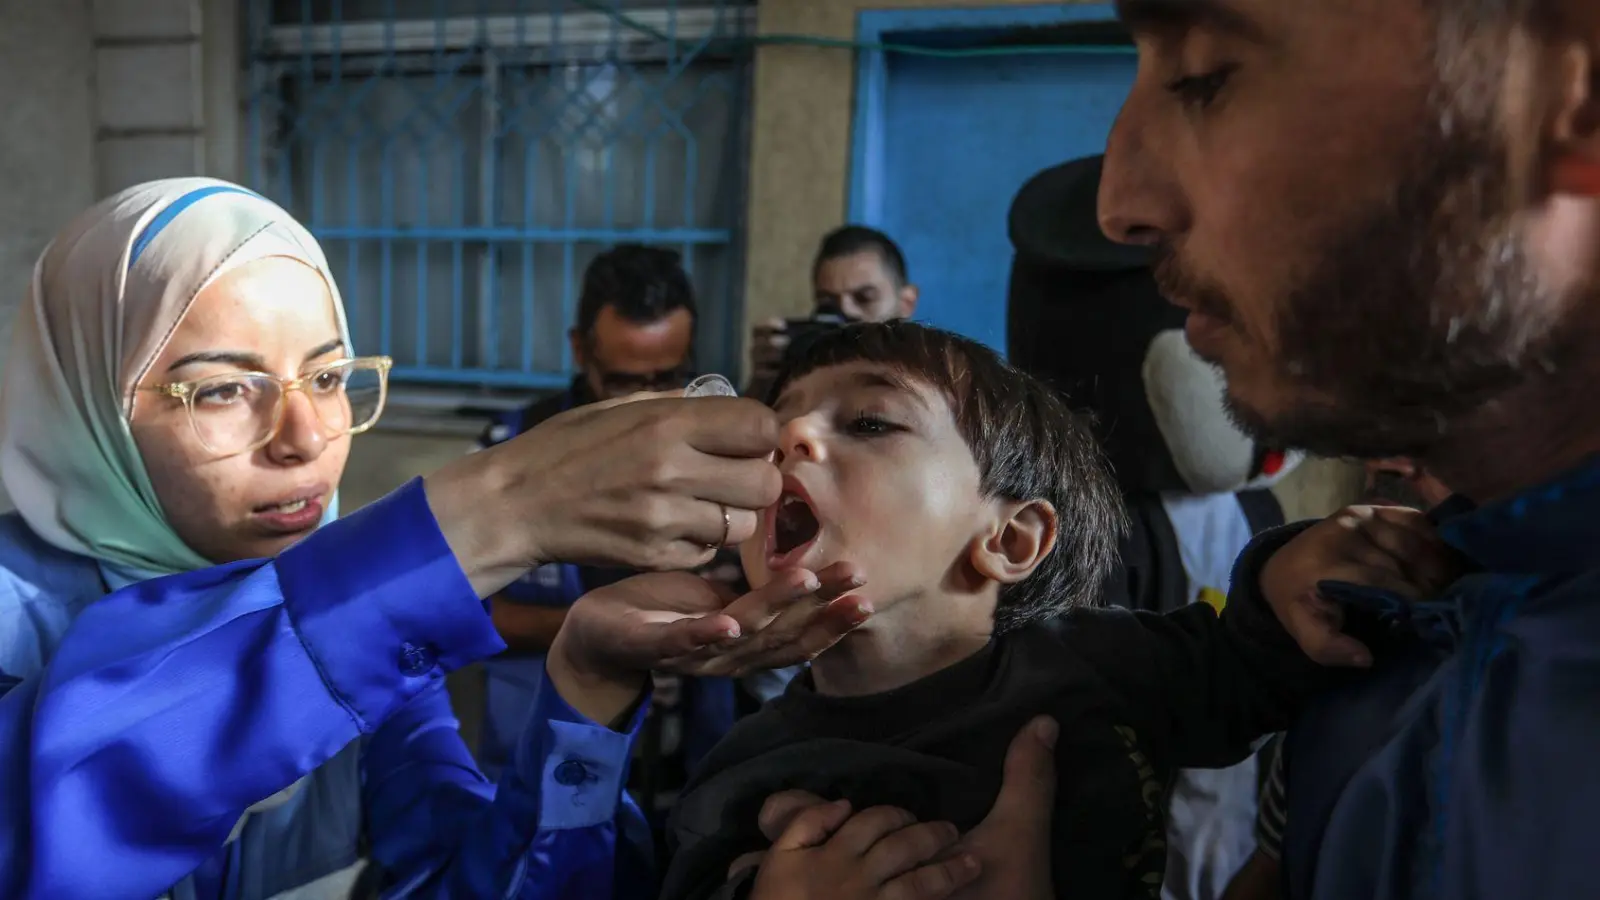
x=710 y=386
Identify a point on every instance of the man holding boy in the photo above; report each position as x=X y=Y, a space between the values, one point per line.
x=981 y=519
x=1384 y=219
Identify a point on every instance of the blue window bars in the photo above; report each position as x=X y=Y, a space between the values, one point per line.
x=463 y=160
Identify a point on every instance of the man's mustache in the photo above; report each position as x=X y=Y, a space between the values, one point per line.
x=1184 y=288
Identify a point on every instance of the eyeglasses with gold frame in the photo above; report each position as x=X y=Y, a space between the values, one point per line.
x=238 y=412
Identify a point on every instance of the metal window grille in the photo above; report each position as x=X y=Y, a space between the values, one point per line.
x=463 y=160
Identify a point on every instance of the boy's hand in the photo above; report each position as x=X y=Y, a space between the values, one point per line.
x=883 y=853
x=1011 y=844
x=1387 y=547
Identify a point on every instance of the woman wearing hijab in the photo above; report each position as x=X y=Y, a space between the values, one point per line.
x=179 y=717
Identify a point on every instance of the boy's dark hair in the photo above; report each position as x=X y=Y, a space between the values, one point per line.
x=852 y=239
x=1028 y=445
x=643 y=284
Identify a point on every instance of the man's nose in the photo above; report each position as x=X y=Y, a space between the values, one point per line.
x=1140 y=201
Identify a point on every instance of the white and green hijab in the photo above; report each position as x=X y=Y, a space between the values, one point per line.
x=106 y=296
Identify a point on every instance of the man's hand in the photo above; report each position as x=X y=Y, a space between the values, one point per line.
x=1387 y=547
x=878 y=854
x=1011 y=844
x=637 y=483
x=679 y=622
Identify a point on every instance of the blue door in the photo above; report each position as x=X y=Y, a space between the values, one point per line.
x=956 y=140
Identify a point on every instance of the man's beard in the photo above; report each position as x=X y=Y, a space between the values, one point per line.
x=1413 y=319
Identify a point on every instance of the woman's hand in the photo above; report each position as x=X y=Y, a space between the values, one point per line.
x=676 y=621
x=651 y=484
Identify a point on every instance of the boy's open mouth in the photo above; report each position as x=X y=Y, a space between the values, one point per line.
x=794 y=524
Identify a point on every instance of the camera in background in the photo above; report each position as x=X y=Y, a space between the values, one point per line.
x=803 y=331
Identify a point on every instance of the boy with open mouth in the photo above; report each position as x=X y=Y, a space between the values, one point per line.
x=982 y=522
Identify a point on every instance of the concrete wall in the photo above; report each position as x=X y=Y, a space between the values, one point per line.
x=167 y=98
x=96 y=95
x=47 y=115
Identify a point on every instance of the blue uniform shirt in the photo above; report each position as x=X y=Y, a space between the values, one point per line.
x=137 y=727
x=1459 y=770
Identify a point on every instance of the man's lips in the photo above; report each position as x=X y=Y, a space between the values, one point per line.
x=1204 y=334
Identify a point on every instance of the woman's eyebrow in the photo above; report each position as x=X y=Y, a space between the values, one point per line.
x=246 y=360
x=325 y=349
x=228 y=357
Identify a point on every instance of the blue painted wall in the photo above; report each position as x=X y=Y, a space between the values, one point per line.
x=954 y=141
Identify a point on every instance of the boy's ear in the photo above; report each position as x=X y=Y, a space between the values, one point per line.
x=1024 y=534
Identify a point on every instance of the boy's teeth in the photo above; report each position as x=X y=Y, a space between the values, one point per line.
x=291 y=507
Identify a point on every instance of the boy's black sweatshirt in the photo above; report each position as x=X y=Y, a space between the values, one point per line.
x=1137 y=696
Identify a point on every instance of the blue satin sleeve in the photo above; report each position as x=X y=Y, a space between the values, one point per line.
x=558 y=826
x=172 y=705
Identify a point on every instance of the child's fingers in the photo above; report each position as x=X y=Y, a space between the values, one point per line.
x=1353 y=547
x=781 y=808
x=1386 y=576
x=1405 y=517
x=813 y=827
x=1416 y=549
x=1318 y=629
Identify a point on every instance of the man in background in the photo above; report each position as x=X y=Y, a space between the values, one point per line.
x=859 y=275
x=635 y=332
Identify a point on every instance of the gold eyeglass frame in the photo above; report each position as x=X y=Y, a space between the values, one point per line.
x=186 y=391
